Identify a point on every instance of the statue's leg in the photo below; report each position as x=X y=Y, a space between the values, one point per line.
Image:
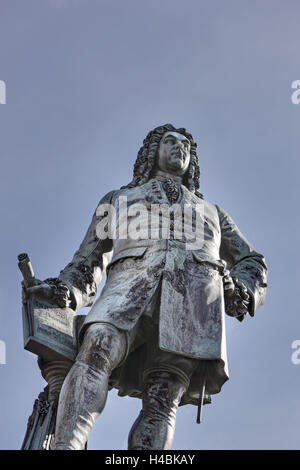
x=84 y=391
x=155 y=425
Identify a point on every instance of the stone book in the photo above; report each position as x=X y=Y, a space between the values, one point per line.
x=49 y=331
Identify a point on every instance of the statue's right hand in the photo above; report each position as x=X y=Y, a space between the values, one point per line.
x=41 y=290
x=52 y=289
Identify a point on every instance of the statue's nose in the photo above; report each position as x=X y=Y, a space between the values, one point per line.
x=179 y=144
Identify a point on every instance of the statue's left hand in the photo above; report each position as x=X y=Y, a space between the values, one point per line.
x=237 y=299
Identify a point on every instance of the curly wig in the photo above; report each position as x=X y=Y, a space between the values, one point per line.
x=146 y=159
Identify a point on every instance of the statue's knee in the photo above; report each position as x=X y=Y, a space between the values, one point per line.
x=103 y=346
x=162 y=394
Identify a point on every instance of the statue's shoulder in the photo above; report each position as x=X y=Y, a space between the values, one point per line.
x=224 y=217
x=131 y=190
x=212 y=209
x=210 y=205
x=113 y=195
x=109 y=197
x=221 y=211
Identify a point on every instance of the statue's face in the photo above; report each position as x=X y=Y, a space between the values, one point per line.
x=174 y=153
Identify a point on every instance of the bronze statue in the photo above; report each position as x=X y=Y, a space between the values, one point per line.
x=157 y=330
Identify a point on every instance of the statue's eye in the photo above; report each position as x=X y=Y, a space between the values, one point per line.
x=170 y=141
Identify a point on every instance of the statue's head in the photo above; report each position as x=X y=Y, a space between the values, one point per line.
x=168 y=149
x=174 y=154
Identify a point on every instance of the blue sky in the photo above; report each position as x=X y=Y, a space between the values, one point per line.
x=86 y=80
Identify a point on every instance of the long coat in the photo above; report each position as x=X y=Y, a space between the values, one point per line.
x=189 y=282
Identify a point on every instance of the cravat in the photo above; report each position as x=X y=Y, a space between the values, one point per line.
x=171 y=189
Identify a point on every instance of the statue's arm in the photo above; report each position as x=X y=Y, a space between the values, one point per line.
x=247 y=267
x=84 y=273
